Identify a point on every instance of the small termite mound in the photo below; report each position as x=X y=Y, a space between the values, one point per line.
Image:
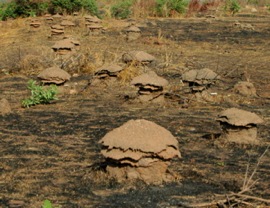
x=139 y=149
x=199 y=80
x=139 y=57
x=133 y=33
x=65 y=46
x=239 y=126
x=57 y=31
x=93 y=25
x=35 y=24
x=54 y=75
x=107 y=73
x=245 y=88
x=150 y=87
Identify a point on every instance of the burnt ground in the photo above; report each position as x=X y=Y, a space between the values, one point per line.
x=52 y=151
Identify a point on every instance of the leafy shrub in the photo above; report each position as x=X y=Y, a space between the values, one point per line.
x=70 y=6
x=122 y=10
x=168 y=7
x=26 y=8
x=8 y=10
x=22 y=8
x=39 y=95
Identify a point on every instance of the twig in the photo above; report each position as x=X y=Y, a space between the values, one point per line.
x=247 y=183
x=252 y=197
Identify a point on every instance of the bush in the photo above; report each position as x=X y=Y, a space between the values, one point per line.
x=26 y=8
x=168 y=7
x=8 y=10
x=22 y=8
x=39 y=95
x=70 y=6
x=122 y=10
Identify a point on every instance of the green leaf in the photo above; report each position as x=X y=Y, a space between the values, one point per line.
x=47 y=204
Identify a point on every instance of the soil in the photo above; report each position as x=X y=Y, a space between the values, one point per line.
x=52 y=151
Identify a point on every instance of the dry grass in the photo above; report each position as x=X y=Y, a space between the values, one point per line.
x=129 y=72
x=143 y=8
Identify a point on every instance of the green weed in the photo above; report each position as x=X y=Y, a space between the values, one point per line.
x=166 y=8
x=232 y=6
x=39 y=94
x=122 y=10
x=47 y=204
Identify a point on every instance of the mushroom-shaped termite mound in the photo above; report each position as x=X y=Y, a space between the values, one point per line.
x=133 y=33
x=139 y=149
x=64 y=46
x=57 y=30
x=108 y=71
x=239 y=126
x=34 y=24
x=138 y=56
x=67 y=23
x=199 y=80
x=54 y=75
x=151 y=86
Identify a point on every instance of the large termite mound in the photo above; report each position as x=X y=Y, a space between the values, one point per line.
x=139 y=149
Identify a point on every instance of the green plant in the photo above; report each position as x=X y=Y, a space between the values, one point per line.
x=39 y=94
x=169 y=7
x=122 y=10
x=232 y=6
x=24 y=8
x=7 y=10
x=47 y=204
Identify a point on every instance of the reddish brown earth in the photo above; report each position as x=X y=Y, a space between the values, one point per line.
x=52 y=151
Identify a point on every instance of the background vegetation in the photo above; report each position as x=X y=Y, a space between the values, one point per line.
x=120 y=9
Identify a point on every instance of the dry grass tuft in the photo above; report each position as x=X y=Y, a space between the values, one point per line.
x=31 y=64
x=196 y=6
x=128 y=73
x=143 y=8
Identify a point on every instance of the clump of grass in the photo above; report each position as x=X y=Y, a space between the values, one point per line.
x=39 y=95
x=142 y=8
x=127 y=74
